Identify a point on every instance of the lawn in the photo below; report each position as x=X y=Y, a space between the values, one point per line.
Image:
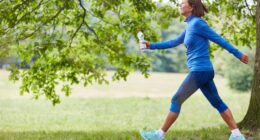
x=115 y=112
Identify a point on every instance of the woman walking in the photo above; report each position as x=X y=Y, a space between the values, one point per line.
x=201 y=73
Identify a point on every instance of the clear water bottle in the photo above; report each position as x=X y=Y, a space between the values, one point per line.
x=140 y=36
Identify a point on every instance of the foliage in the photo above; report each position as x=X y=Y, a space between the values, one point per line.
x=73 y=40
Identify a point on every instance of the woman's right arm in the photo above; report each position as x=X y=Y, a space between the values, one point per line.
x=167 y=44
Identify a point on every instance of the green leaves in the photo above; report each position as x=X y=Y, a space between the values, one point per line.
x=69 y=42
x=144 y=5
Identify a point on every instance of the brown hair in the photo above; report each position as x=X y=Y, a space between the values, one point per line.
x=199 y=9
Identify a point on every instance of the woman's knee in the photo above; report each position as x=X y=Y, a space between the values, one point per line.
x=175 y=103
x=220 y=106
x=175 y=107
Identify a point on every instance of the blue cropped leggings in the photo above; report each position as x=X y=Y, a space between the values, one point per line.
x=195 y=80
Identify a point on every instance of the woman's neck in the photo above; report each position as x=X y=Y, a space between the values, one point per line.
x=187 y=15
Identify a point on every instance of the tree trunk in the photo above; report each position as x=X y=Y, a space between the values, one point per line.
x=252 y=119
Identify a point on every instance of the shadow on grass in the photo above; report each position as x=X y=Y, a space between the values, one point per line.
x=216 y=133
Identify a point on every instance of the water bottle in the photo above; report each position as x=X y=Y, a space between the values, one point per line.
x=140 y=36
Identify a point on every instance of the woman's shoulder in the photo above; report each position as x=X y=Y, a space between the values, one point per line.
x=199 y=22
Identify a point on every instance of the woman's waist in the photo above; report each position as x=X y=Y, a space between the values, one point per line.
x=202 y=60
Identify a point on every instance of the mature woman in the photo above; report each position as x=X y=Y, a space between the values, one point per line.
x=196 y=38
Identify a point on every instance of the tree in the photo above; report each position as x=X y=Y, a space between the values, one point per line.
x=252 y=118
x=71 y=41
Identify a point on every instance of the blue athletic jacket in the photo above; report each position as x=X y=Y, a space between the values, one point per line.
x=196 y=39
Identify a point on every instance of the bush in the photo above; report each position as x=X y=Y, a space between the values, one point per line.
x=239 y=75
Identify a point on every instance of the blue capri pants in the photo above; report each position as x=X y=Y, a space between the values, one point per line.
x=195 y=80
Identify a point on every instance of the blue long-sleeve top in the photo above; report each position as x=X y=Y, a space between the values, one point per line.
x=196 y=39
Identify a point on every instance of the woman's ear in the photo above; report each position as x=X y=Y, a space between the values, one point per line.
x=192 y=8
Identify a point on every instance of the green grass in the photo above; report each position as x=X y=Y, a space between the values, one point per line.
x=112 y=135
x=115 y=112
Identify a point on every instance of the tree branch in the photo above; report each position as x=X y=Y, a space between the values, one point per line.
x=250 y=11
x=75 y=33
x=83 y=18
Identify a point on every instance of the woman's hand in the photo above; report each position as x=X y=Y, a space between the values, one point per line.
x=244 y=59
x=147 y=43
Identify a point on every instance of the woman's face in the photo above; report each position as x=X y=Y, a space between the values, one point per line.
x=185 y=8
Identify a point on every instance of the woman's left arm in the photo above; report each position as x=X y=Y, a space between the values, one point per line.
x=205 y=31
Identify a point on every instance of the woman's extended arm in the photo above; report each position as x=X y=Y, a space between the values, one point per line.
x=207 y=32
x=167 y=44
